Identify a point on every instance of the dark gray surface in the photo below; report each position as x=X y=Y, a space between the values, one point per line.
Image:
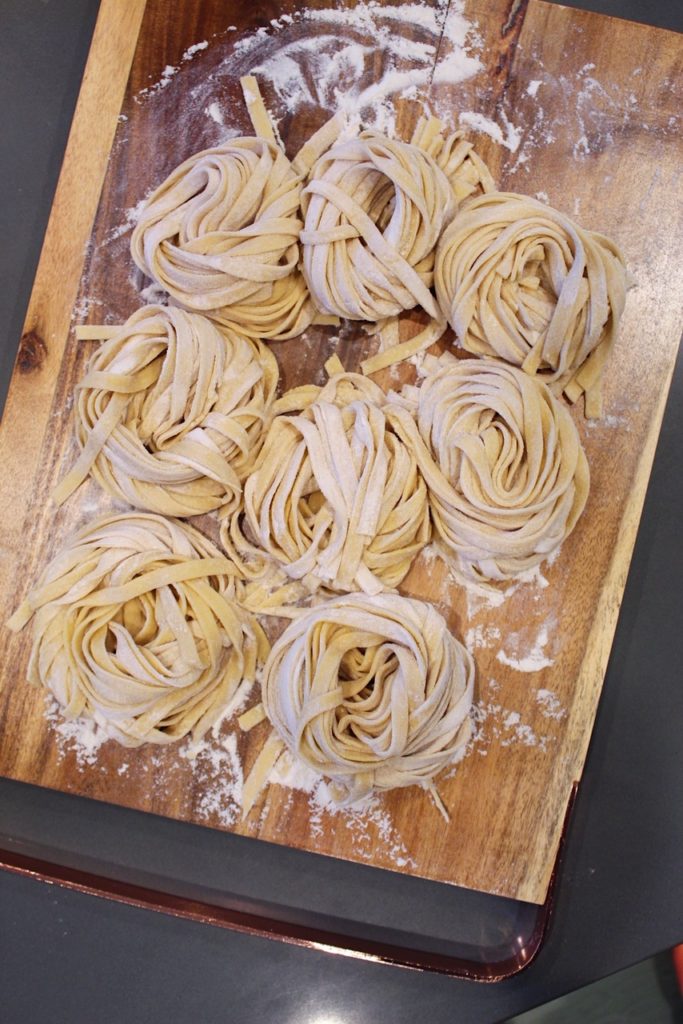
x=662 y=13
x=646 y=993
x=73 y=958
x=43 y=48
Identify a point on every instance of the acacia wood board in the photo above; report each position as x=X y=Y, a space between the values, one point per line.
x=588 y=113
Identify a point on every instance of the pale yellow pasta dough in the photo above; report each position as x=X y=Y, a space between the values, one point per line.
x=519 y=280
x=221 y=235
x=136 y=624
x=374 y=209
x=373 y=693
x=171 y=413
x=336 y=498
x=503 y=461
x=466 y=172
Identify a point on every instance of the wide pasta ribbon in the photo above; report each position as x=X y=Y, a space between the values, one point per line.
x=519 y=280
x=374 y=210
x=171 y=413
x=506 y=472
x=221 y=233
x=138 y=623
x=372 y=693
x=336 y=498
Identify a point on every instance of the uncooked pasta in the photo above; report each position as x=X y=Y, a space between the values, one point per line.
x=506 y=472
x=373 y=693
x=138 y=625
x=521 y=281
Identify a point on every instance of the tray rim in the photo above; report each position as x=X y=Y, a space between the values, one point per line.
x=260 y=925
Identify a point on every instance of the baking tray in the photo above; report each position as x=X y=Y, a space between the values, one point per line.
x=238 y=883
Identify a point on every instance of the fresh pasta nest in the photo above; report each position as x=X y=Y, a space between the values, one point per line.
x=171 y=413
x=336 y=499
x=519 y=280
x=137 y=626
x=467 y=173
x=221 y=236
x=374 y=209
x=373 y=693
x=506 y=472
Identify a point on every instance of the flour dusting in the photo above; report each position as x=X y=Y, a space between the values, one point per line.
x=509 y=135
x=481 y=636
x=217 y=769
x=495 y=723
x=131 y=217
x=364 y=821
x=154 y=295
x=482 y=597
x=214 y=112
x=325 y=69
x=550 y=705
x=534 y=660
x=608 y=422
x=171 y=70
x=81 y=737
x=83 y=308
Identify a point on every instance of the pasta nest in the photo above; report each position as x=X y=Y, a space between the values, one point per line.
x=519 y=280
x=171 y=413
x=506 y=472
x=221 y=235
x=374 y=209
x=466 y=171
x=137 y=626
x=372 y=692
x=336 y=499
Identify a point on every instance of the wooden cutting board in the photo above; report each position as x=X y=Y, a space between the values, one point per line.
x=587 y=113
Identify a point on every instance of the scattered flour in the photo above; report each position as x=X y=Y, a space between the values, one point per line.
x=481 y=636
x=154 y=295
x=365 y=821
x=480 y=597
x=325 y=66
x=167 y=74
x=535 y=660
x=429 y=554
x=486 y=596
x=171 y=70
x=495 y=723
x=214 y=112
x=82 y=737
x=218 y=768
x=549 y=705
x=608 y=421
x=131 y=216
x=192 y=50
x=509 y=136
x=83 y=308
x=533 y=576
x=193 y=748
x=554 y=555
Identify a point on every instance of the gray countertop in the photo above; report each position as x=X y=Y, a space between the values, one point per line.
x=67 y=957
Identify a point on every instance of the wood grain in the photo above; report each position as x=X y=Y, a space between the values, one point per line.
x=600 y=136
